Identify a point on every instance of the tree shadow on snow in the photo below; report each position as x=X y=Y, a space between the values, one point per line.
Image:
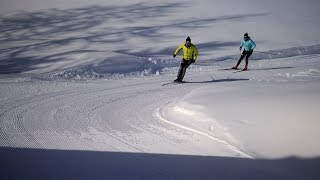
x=21 y=163
x=35 y=40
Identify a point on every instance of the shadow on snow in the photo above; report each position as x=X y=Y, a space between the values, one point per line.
x=21 y=163
x=57 y=32
x=217 y=80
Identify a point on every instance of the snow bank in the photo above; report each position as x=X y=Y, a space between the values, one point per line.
x=119 y=65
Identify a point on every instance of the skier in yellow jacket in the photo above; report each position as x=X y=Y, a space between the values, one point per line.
x=190 y=55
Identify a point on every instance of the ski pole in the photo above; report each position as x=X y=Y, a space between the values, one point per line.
x=211 y=77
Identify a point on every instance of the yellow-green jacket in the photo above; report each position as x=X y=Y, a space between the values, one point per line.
x=189 y=53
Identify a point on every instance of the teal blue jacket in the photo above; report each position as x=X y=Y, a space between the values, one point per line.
x=248 y=45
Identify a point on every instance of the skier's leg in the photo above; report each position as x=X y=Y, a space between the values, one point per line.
x=182 y=70
x=246 y=67
x=241 y=57
x=247 y=60
x=187 y=64
x=183 y=73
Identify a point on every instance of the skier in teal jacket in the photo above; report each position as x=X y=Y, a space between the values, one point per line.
x=248 y=46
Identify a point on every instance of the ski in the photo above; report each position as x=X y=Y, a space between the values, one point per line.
x=226 y=69
x=173 y=83
x=240 y=71
x=235 y=70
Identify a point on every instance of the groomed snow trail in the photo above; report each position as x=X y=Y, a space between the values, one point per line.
x=129 y=115
x=98 y=115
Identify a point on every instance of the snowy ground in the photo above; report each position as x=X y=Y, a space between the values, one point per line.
x=86 y=94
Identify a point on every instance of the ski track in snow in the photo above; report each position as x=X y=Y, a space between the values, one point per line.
x=98 y=118
x=95 y=116
x=158 y=113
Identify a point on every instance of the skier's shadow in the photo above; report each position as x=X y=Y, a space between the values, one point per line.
x=271 y=68
x=217 y=80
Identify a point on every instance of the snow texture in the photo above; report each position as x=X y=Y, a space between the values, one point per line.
x=86 y=90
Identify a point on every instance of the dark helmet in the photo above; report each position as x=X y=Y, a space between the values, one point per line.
x=246 y=36
x=188 y=39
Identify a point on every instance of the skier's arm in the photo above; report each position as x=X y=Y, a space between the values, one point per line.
x=241 y=44
x=196 y=53
x=177 y=50
x=253 y=45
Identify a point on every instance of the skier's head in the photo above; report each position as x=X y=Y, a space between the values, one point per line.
x=246 y=37
x=188 y=41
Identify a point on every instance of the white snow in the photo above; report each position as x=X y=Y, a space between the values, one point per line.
x=86 y=93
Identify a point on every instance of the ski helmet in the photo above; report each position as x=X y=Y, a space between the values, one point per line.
x=188 y=39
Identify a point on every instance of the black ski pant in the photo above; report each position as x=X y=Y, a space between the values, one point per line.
x=246 y=54
x=183 y=68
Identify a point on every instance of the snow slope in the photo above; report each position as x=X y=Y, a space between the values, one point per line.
x=86 y=93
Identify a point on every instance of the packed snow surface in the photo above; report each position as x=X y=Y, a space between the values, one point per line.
x=87 y=92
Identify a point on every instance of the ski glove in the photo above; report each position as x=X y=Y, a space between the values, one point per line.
x=174 y=55
x=240 y=48
x=193 y=61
